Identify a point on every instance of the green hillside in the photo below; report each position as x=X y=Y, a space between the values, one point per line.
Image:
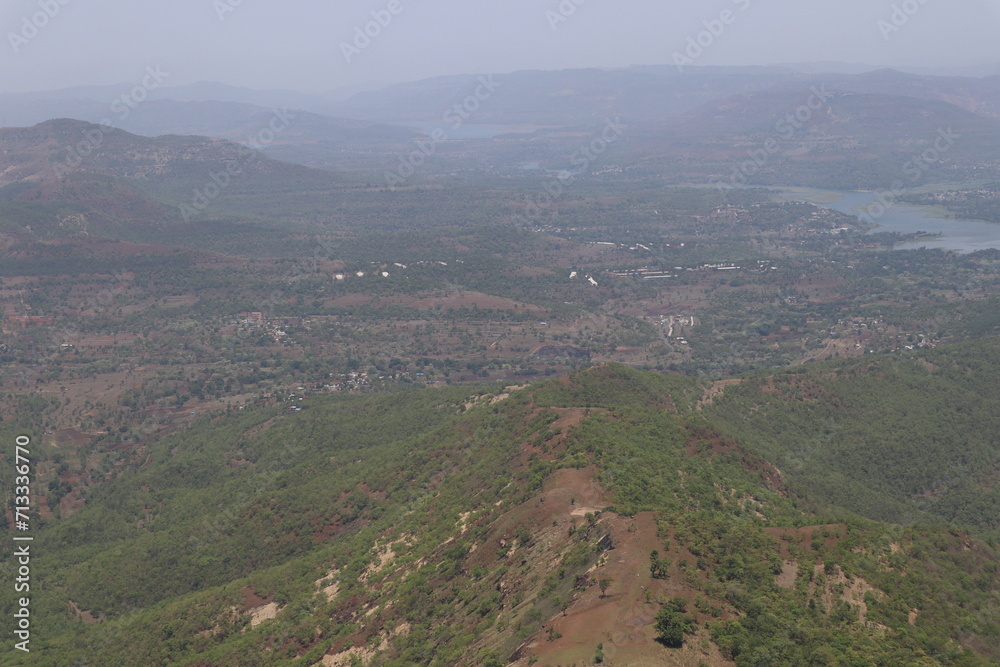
x=904 y=438
x=574 y=521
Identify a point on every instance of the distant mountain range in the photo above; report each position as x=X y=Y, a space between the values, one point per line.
x=820 y=136
x=563 y=97
x=70 y=176
x=644 y=93
x=20 y=108
x=65 y=178
x=863 y=131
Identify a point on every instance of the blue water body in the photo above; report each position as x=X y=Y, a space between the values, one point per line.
x=960 y=235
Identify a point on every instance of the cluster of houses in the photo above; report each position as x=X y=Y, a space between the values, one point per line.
x=622 y=246
x=256 y=319
x=339 y=277
x=650 y=273
x=921 y=341
x=353 y=381
x=645 y=273
x=632 y=246
x=671 y=321
x=864 y=328
x=573 y=275
x=384 y=270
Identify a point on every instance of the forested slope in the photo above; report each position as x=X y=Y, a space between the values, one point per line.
x=902 y=438
x=594 y=516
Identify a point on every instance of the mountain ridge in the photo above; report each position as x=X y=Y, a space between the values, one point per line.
x=496 y=528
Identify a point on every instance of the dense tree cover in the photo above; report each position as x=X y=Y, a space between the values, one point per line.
x=672 y=624
x=981 y=203
x=617 y=385
x=265 y=490
x=271 y=501
x=766 y=482
x=67 y=264
x=282 y=522
x=902 y=439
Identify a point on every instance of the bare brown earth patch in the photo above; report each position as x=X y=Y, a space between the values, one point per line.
x=265 y=613
x=622 y=619
x=329 y=585
x=85 y=616
x=364 y=653
x=384 y=556
x=714 y=446
x=459 y=299
x=836 y=586
x=257 y=608
x=789 y=574
x=577 y=487
x=804 y=536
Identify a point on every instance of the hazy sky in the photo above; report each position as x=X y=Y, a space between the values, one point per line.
x=298 y=44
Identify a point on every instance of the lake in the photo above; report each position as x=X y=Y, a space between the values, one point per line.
x=960 y=235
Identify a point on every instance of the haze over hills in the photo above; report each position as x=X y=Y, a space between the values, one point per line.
x=514 y=388
x=841 y=131
x=221 y=119
x=849 y=141
x=500 y=334
x=567 y=97
x=15 y=105
x=731 y=110
x=819 y=137
x=67 y=177
x=646 y=93
x=46 y=165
